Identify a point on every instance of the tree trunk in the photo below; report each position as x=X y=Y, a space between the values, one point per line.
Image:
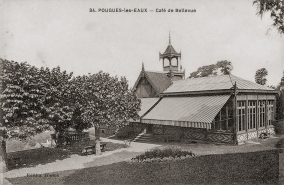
x=3 y=156
x=97 y=139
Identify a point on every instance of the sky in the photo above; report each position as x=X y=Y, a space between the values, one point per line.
x=64 y=33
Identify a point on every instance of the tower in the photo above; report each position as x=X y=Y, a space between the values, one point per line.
x=172 y=62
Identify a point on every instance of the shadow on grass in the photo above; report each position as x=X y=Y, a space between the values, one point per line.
x=34 y=157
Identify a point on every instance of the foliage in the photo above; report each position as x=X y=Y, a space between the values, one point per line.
x=224 y=66
x=280 y=106
x=35 y=99
x=279 y=127
x=260 y=75
x=21 y=105
x=280 y=143
x=108 y=101
x=162 y=153
x=276 y=9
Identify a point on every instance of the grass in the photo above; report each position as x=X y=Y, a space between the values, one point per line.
x=13 y=145
x=34 y=157
x=280 y=143
x=239 y=168
x=198 y=170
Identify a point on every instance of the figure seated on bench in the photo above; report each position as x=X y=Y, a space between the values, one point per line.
x=88 y=150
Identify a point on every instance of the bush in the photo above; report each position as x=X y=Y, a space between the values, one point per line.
x=279 y=127
x=280 y=144
x=164 y=153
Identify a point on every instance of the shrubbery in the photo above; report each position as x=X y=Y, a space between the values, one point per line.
x=279 y=127
x=280 y=144
x=162 y=154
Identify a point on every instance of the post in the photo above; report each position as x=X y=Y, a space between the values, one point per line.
x=235 y=113
x=97 y=135
x=3 y=154
x=227 y=118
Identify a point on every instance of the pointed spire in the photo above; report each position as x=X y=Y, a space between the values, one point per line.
x=143 y=69
x=170 y=38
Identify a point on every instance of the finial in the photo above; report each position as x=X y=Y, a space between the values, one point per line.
x=169 y=38
x=143 y=66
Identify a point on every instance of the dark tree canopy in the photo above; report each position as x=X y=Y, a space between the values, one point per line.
x=276 y=9
x=224 y=66
x=37 y=99
x=260 y=75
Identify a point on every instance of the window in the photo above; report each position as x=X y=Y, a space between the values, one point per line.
x=251 y=123
x=261 y=113
x=241 y=107
x=166 y=62
x=270 y=112
x=174 y=62
x=223 y=120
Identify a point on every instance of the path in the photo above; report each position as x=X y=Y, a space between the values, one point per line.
x=79 y=162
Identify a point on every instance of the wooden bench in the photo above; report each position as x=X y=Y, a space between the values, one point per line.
x=88 y=150
x=14 y=162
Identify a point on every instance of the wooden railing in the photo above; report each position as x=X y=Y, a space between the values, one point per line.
x=71 y=137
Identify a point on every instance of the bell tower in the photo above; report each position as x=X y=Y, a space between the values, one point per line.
x=172 y=62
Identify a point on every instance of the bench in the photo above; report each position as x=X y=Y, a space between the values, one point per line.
x=88 y=150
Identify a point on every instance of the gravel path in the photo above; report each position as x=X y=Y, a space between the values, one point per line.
x=79 y=162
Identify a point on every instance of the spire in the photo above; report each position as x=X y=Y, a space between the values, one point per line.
x=143 y=69
x=170 y=38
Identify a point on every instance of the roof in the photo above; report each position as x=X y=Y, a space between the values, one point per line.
x=170 y=50
x=159 y=80
x=186 y=111
x=146 y=104
x=214 y=83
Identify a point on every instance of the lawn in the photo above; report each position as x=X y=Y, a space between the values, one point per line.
x=34 y=157
x=193 y=171
x=239 y=168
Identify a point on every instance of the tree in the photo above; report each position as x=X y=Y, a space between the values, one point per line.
x=260 y=75
x=224 y=66
x=58 y=103
x=108 y=102
x=276 y=9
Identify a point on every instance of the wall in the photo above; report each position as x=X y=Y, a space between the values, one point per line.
x=144 y=89
x=185 y=134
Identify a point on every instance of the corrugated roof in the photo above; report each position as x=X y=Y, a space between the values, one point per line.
x=213 y=83
x=160 y=81
x=187 y=109
x=146 y=104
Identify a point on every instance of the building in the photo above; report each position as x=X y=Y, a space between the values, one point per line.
x=224 y=108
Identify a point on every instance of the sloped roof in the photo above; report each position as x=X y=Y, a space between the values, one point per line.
x=170 y=50
x=186 y=111
x=146 y=104
x=159 y=80
x=213 y=83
